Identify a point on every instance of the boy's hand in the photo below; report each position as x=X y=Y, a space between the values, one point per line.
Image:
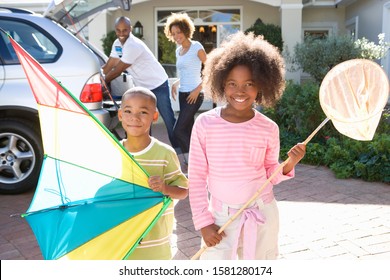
x=156 y=184
x=211 y=236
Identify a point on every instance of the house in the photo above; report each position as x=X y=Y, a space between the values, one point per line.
x=217 y=19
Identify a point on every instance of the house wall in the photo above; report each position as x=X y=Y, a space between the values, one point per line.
x=373 y=18
x=328 y=17
x=145 y=13
x=370 y=15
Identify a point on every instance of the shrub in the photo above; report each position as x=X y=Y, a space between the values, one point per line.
x=272 y=33
x=108 y=40
x=339 y=157
x=315 y=153
x=367 y=160
x=373 y=163
x=317 y=56
x=333 y=50
x=166 y=49
x=299 y=111
x=369 y=50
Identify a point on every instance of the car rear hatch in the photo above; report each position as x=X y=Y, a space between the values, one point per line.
x=75 y=15
x=70 y=12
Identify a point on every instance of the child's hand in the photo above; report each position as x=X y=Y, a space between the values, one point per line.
x=156 y=184
x=296 y=153
x=211 y=236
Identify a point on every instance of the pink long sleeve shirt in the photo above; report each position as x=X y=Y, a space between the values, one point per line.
x=231 y=161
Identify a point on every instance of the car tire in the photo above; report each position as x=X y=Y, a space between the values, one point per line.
x=21 y=155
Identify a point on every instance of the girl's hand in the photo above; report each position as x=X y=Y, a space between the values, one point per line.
x=191 y=99
x=296 y=153
x=156 y=184
x=211 y=236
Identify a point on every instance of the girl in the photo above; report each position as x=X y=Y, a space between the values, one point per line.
x=189 y=58
x=234 y=149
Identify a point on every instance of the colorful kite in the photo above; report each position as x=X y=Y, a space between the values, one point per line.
x=92 y=200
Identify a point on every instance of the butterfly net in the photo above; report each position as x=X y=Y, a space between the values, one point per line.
x=353 y=95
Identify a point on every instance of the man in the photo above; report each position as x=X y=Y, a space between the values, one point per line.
x=132 y=55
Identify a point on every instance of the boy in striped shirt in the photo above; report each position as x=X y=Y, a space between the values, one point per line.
x=137 y=113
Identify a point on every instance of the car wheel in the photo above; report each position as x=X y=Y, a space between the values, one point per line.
x=21 y=155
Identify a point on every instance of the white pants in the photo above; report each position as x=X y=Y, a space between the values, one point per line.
x=267 y=234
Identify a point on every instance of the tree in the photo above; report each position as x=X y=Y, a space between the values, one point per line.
x=108 y=40
x=317 y=56
x=272 y=33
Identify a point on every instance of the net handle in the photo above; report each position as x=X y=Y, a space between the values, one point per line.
x=315 y=131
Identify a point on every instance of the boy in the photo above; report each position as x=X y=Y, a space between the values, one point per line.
x=138 y=111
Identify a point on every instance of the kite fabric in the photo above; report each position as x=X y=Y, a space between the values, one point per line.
x=353 y=95
x=92 y=200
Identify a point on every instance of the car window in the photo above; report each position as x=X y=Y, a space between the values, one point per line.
x=42 y=47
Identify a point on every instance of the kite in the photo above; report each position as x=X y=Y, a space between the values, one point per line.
x=352 y=95
x=92 y=200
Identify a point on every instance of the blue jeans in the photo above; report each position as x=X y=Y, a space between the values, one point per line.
x=165 y=110
x=185 y=121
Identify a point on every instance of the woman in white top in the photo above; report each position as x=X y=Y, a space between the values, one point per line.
x=190 y=55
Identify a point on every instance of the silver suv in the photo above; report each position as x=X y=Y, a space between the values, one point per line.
x=65 y=57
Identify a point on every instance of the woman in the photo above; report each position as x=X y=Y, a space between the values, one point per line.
x=189 y=58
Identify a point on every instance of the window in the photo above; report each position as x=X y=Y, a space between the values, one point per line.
x=212 y=26
x=351 y=26
x=35 y=42
x=320 y=34
x=319 y=30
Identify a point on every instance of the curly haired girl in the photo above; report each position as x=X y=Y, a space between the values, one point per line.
x=234 y=150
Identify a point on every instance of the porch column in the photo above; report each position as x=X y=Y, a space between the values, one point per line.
x=291 y=24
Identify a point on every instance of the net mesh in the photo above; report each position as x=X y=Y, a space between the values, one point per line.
x=353 y=95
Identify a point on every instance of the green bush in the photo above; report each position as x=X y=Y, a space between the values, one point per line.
x=339 y=158
x=317 y=56
x=384 y=124
x=108 y=40
x=299 y=111
x=315 y=153
x=374 y=163
x=166 y=49
x=367 y=160
x=272 y=33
